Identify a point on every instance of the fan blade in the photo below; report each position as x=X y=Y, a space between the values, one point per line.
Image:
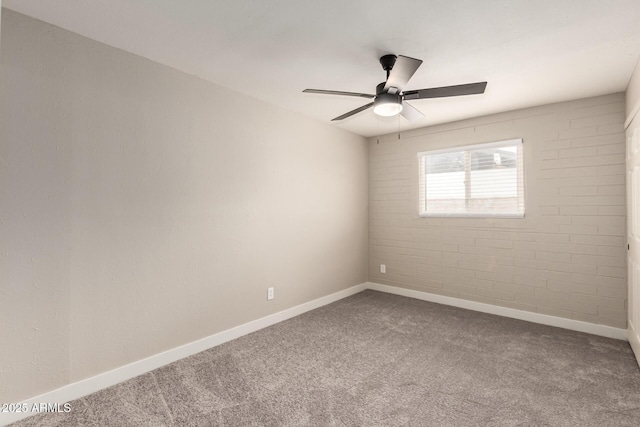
x=352 y=112
x=337 y=92
x=441 y=92
x=410 y=112
x=402 y=71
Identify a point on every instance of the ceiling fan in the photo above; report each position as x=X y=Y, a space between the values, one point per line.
x=390 y=95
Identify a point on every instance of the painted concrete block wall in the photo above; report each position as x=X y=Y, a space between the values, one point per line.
x=566 y=258
x=143 y=208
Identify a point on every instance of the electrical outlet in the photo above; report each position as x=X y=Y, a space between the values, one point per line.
x=269 y=294
x=383 y=268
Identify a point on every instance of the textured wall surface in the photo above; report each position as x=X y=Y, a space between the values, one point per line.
x=143 y=208
x=566 y=258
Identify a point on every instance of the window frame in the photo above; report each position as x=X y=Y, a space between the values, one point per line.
x=422 y=199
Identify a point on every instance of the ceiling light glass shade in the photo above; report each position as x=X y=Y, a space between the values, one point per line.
x=387 y=104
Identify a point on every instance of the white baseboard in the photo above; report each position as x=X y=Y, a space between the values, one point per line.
x=560 y=322
x=91 y=385
x=634 y=340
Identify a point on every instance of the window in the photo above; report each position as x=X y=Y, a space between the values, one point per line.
x=483 y=180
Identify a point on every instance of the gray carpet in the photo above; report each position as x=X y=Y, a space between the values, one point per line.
x=376 y=359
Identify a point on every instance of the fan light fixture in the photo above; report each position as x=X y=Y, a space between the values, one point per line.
x=387 y=104
x=391 y=94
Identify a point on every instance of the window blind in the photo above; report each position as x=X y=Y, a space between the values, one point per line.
x=484 y=180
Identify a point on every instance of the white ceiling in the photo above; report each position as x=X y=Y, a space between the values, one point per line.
x=531 y=52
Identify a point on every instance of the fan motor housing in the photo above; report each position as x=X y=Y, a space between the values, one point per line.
x=388 y=98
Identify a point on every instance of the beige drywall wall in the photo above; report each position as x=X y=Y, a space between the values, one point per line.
x=566 y=258
x=143 y=208
x=633 y=94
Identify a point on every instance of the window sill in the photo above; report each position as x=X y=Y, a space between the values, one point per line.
x=470 y=215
